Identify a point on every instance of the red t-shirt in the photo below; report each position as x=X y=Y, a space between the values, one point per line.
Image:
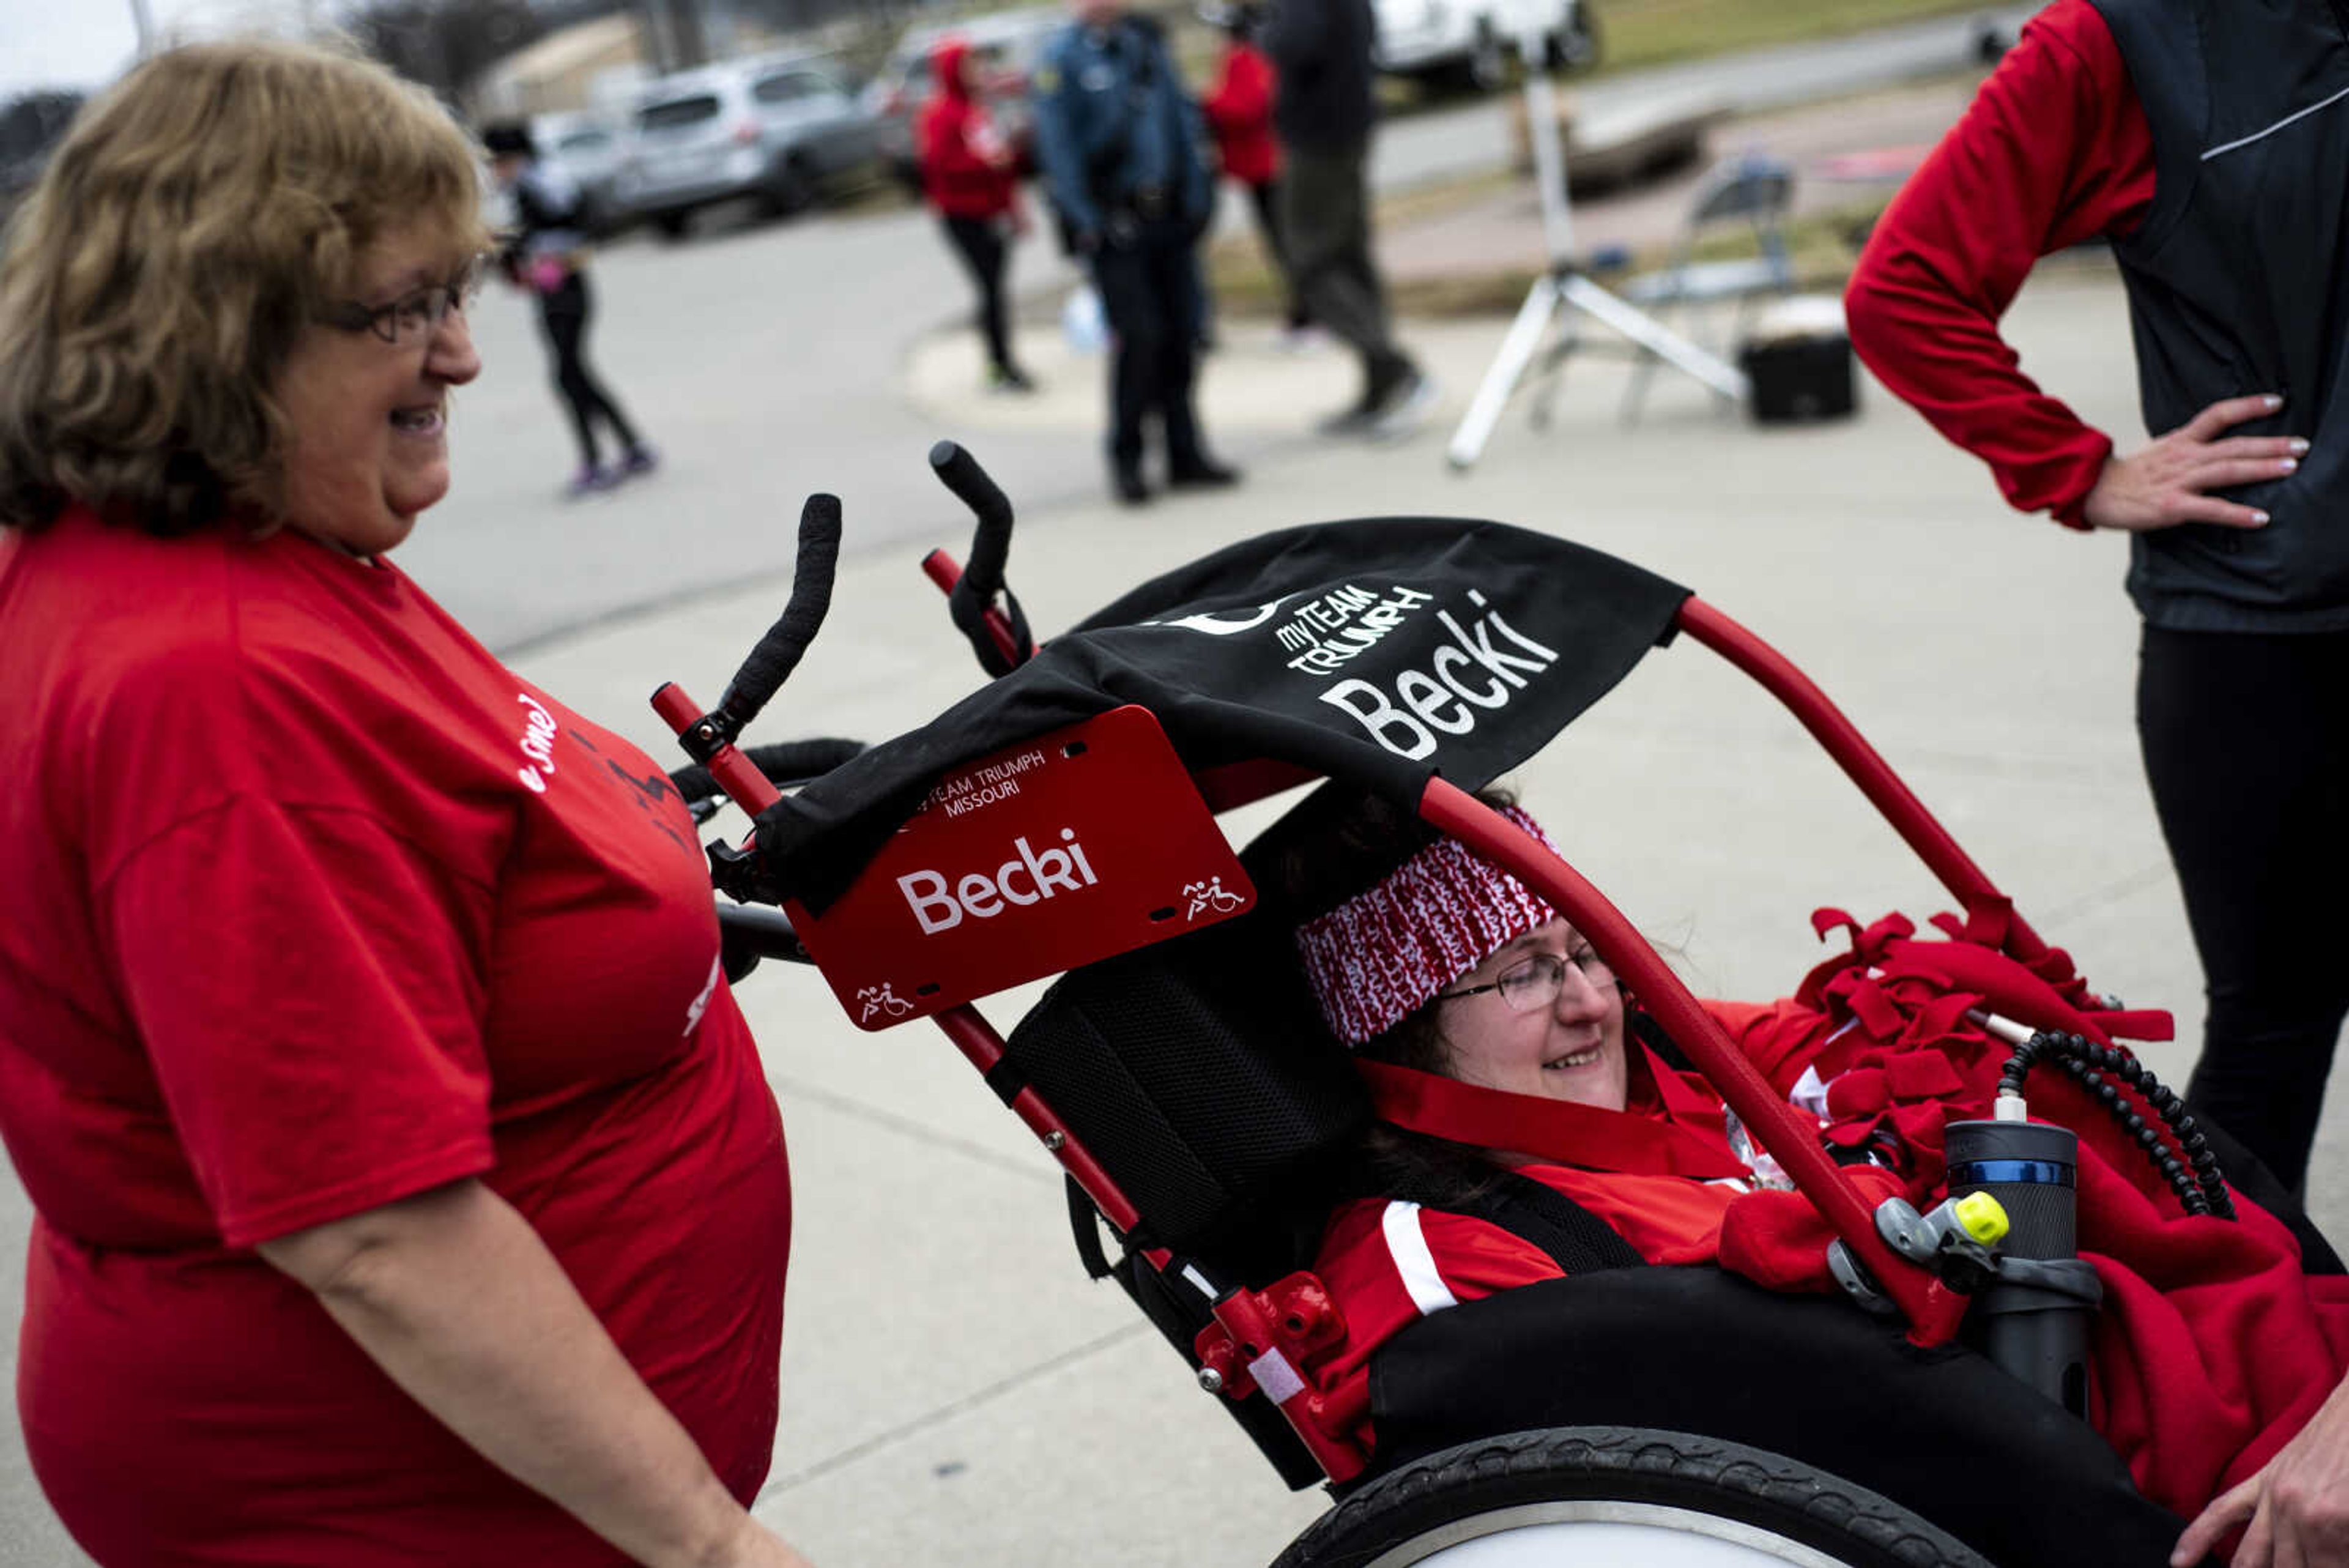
x=2054 y=150
x=315 y=906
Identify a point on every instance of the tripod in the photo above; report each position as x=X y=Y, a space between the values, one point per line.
x=1566 y=288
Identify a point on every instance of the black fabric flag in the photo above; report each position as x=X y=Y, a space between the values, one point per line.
x=1380 y=651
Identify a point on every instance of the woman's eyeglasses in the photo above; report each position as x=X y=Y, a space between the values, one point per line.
x=415 y=316
x=1536 y=982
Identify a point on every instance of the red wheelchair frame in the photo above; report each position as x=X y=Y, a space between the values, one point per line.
x=1263 y=1335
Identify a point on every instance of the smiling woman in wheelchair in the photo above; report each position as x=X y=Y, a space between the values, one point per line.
x=1530 y=1126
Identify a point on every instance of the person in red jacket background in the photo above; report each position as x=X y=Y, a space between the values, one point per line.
x=971 y=174
x=1238 y=110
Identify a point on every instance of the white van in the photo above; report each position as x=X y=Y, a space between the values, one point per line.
x=1472 y=42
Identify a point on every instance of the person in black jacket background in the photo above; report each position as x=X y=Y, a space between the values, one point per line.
x=1325 y=114
x=545 y=254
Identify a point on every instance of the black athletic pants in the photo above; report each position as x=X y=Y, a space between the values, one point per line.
x=2246 y=739
x=1265 y=200
x=979 y=242
x=1325 y=228
x=1150 y=298
x=563 y=315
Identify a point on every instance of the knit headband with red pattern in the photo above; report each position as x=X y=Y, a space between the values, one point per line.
x=1386 y=951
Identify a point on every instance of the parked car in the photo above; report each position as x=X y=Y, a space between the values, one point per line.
x=1007 y=46
x=780 y=130
x=1470 y=43
x=590 y=148
x=31 y=125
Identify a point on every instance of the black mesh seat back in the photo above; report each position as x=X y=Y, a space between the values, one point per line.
x=1941 y=1432
x=1198 y=1073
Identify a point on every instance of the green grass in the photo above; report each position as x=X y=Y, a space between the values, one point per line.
x=1636 y=33
x=1822 y=247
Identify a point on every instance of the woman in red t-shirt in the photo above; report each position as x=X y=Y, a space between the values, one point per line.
x=971 y=175
x=406 y=1189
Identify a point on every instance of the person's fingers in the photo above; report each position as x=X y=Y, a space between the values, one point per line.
x=2226 y=1510
x=2229 y=411
x=2222 y=473
x=2286 y=1547
x=2257 y=447
x=2211 y=509
x=2257 y=1549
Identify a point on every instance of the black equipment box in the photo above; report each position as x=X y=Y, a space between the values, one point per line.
x=1798 y=362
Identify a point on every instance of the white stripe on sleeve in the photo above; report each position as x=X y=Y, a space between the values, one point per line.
x=1407 y=1245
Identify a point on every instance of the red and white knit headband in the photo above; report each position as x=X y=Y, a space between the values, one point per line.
x=1386 y=951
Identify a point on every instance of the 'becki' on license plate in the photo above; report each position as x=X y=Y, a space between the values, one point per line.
x=1076 y=845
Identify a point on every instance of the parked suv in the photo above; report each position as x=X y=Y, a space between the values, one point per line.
x=779 y=130
x=1006 y=46
x=589 y=147
x=1470 y=43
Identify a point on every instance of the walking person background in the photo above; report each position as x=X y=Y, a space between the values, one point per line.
x=547 y=254
x=1238 y=108
x=970 y=174
x=1325 y=114
x=1119 y=141
x=2222 y=184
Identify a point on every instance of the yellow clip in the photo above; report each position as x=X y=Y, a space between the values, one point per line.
x=1981 y=1217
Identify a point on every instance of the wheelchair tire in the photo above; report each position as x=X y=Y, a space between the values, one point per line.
x=1571 y=1494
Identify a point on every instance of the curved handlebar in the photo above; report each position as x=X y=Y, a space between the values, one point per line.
x=778 y=653
x=971 y=602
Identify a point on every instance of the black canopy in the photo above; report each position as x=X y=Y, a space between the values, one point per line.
x=1380 y=651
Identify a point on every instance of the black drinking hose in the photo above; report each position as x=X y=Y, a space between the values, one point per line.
x=982 y=575
x=2191 y=1166
x=785 y=764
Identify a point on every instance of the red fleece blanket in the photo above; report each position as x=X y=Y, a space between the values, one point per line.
x=2212 y=1348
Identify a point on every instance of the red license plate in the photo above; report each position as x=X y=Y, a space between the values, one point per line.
x=1085 y=843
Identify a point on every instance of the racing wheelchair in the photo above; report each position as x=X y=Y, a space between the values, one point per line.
x=1062 y=821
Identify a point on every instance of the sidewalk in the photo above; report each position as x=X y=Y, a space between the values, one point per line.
x=954 y=1390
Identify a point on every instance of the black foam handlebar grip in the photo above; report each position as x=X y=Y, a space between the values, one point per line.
x=785 y=764
x=990 y=546
x=778 y=653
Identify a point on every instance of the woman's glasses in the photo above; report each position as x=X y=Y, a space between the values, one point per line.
x=1536 y=981
x=415 y=316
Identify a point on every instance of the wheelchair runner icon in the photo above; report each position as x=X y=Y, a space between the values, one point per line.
x=1208 y=895
x=881 y=999
x=1621 y=1452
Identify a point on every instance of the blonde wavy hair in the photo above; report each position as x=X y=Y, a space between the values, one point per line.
x=186 y=233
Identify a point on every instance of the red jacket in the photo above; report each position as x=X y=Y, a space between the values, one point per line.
x=2054 y=150
x=1240 y=111
x=969 y=170
x=2212 y=1348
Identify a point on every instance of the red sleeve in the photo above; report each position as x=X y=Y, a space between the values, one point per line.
x=2054 y=150
x=1780 y=1038
x=308 y=988
x=1477 y=1259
